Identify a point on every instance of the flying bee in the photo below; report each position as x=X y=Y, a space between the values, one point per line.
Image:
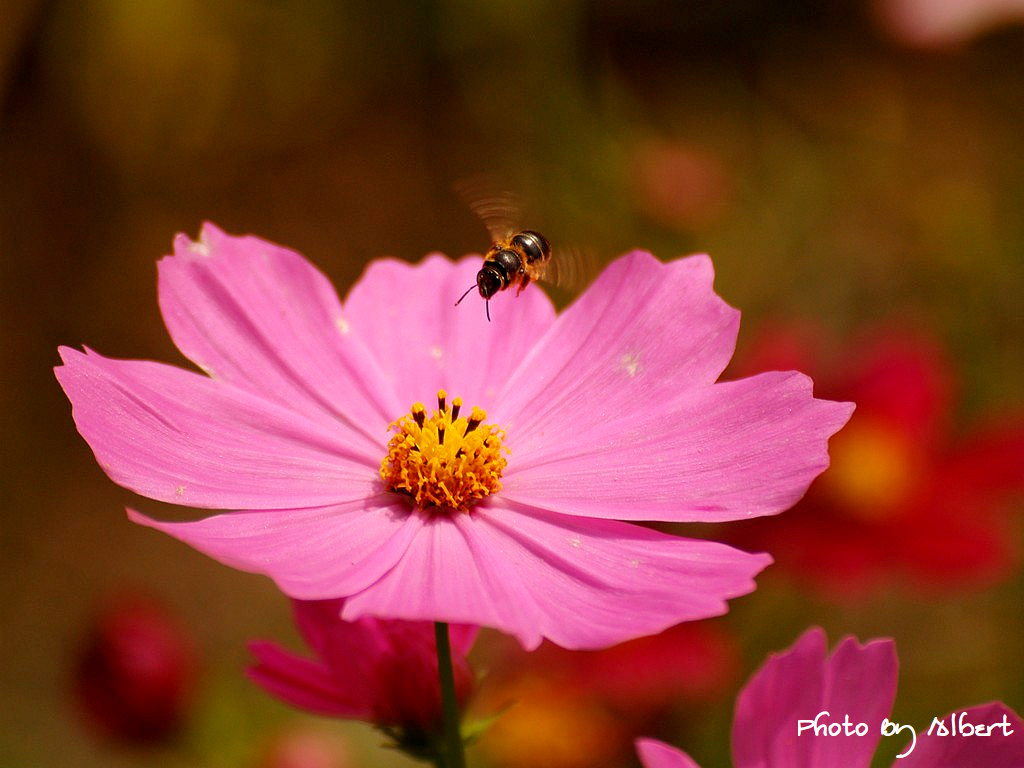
x=514 y=260
x=517 y=256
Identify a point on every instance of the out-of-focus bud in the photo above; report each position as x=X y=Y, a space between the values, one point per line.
x=135 y=674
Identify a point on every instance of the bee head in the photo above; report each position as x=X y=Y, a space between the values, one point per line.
x=489 y=281
x=496 y=273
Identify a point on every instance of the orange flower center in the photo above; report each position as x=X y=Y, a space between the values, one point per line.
x=444 y=461
x=874 y=469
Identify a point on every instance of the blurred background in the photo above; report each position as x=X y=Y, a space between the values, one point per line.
x=855 y=168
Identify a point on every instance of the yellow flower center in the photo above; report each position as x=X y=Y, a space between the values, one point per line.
x=444 y=461
x=874 y=469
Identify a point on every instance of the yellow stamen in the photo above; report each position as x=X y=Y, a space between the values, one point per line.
x=444 y=461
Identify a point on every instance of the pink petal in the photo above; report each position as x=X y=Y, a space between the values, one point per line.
x=312 y=554
x=1003 y=746
x=390 y=665
x=642 y=332
x=860 y=681
x=798 y=684
x=349 y=646
x=580 y=583
x=263 y=318
x=788 y=687
x=727 y=451
x=183 y=438
x=657 y=754
x=319 y=622
x=447 y=575
x=407 y=315
x=308 y=685
x=380 y=670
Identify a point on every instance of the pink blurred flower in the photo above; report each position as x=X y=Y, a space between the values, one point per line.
x=941 y=23
x=683 y=186
x=378 y=670
x=858 y=681
x=608 y=412
x=306 y=747
x=904 y=496
x=135 y=676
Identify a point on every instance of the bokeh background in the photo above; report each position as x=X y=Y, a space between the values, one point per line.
x=855 y=168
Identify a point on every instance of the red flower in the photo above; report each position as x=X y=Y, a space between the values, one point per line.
x=905 y=495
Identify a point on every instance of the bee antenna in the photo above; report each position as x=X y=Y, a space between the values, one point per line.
x=465 y=294
x=487 y=306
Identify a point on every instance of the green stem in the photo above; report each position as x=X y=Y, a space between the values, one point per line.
x=454 y=756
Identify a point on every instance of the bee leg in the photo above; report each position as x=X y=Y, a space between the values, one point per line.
x=525 y=281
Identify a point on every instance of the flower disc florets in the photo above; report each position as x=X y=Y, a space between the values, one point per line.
x=444 y=461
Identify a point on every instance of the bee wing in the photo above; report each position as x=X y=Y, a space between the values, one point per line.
x=571 y=269
x=500 y=210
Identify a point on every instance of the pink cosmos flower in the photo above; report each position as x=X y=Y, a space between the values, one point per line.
x=378 y=670
x=858 y=681
x=512 y=504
